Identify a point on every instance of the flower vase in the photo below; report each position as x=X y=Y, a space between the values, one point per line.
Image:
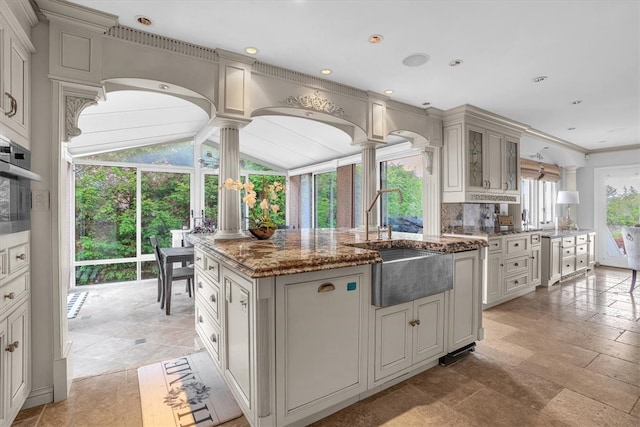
x=262 y=233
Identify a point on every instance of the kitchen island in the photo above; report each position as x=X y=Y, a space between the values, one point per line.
x=290 y=324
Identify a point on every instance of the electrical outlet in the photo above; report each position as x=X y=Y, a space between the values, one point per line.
x=40 y=200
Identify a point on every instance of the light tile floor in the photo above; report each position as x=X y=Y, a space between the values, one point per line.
x=568 y=355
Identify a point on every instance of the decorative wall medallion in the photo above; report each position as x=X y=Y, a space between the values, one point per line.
x=73 y=107
x=317 y=103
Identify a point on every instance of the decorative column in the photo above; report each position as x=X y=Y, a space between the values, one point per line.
x=229 y=225
x=369 y=176
x=431 y=194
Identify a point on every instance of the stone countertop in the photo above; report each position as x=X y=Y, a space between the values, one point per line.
x=304 y=250
x=566 y=233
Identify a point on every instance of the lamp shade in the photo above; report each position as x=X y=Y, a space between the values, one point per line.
x=568 y=198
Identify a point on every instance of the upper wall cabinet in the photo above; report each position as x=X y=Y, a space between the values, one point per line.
x=15 y=77
x=481 y=159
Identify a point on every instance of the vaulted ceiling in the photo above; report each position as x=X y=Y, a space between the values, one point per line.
x=588 y=50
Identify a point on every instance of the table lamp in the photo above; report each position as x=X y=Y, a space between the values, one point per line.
x=568 y=198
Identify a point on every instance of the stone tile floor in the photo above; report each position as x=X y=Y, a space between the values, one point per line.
x=568 y=355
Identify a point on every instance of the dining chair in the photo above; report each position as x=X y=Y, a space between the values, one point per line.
x=181 y=273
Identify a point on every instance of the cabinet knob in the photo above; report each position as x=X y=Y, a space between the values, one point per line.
x=516 y=265
x=415 y=322
x=515 y=282
x=506 y=186
x=200 y=319
x=200 y=285
x=501 y=265
x=213 y=298
x=212 y=267
x=12 y=347
x=14 y=106
x=516 y=244
x=21 y=257
x=214 y=338
x=198 y=258
x=10 y=295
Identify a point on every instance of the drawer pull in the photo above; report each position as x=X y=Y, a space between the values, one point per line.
x=200 y=319
x=10 y=295
x=568 y=265
x=213 y=298
x=516 y=265
x=198 y=258
x=415 y=322
x=214 y=338
x=200 y=285
x=326 y=287
x=515 y=282
x=14 y=106
x=516 y=244
x=12 y=347
x=21 y=257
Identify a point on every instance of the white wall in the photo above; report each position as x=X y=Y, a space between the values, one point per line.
x=585 y=180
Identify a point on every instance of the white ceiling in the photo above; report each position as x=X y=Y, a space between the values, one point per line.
x=590 y=51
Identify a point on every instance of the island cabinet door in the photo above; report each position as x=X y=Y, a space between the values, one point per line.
x=428 y=328
x=394 y=339
x=464 y=301
x=320 y=347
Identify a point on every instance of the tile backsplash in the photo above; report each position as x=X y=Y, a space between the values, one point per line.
x=477 y=216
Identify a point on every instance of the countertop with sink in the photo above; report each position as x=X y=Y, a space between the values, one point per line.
x=306 y=250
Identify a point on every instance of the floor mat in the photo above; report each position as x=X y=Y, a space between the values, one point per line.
x=74 y=303
x=186 y=391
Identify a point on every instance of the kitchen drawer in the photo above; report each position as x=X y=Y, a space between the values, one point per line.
x=535 y=239
x=495 y=245
x=582 y=261
x=568 y=265
x=582 y=239
x=13 y=291
x=209 y=332
x=4 y=265
x=568 y=252
x=517 y=245
x=568 y=241
x=515 y=265
x=207 y=264
x=582 y=249
x=209 y=293
x=18 y=257
x=515 y=283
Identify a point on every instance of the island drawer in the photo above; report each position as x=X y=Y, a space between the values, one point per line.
x=517 y=245
x=568 y=252
x=581 y=261
x=495 y=245
x=209 y=332
x=210 y=293
x=568 y=241
x=515 y=283
x=18 y=257
x=535 y=239
x=515 y=265
x=568 y=265
x=582 y=249
x=582 y=239
x=207 y=264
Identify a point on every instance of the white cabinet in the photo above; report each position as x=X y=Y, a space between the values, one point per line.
x=208 y=307
x=464 y=314
x=567 y=254
x=15 y=77
x=15 y=332
x=408 y=334
x=320 y=344
x=481 y=160
x=513 y=267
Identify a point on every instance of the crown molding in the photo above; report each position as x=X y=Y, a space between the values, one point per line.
x=78 y=14
x=614 y=149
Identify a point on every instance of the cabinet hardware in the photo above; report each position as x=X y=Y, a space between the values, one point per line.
x=516 y=244
x=412 y=323
x=501 y=265
x=516 y=265
x=12 y=347
x=326 y=287
x=198 y=258
x=506 y=186
x=515 y=282
x=10 y=295
x=213 y=298
x=21 y=257
x=14 y=106
x=212 y=267
x=533 y=257
x=200 y=319
x=200 y=285
x=214 y=338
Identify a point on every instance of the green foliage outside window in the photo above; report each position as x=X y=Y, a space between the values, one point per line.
x=326 y=200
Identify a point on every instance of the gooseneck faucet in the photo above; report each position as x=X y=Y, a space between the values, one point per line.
x=373 y=202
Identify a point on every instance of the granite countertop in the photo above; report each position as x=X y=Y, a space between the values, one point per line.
x=304 y=250
x=566 y=233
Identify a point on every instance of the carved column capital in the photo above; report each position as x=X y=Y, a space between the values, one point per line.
x=73 y=106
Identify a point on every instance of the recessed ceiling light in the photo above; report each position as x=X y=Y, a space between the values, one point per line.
x=579 y=101
x=388 y=91
x=251 y=50
x=539 y=79
x=415 y=60
x=571 y=128
x=144 y=20
x=163 y=86
x=455 y=62
x=325 y=71
x=375 y=38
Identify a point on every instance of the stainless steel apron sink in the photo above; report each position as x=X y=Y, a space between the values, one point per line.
x=407 y=274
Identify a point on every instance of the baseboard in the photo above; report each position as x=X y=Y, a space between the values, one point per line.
x=39 y=397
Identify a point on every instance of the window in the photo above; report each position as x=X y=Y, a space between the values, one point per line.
x=404 y=173
x=325 y=199
x=538 y=203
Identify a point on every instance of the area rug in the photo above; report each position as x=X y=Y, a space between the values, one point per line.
x=187 y=391
x=74 y=303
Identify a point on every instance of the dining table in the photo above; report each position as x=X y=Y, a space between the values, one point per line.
x=169 y=256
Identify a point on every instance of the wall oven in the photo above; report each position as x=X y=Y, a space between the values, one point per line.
x=15 y=187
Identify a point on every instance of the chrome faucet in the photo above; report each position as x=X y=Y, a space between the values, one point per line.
x=368 y=211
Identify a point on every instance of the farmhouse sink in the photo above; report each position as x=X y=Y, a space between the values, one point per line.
x=406 y=274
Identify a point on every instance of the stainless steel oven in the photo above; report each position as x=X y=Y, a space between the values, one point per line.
x=15 y=187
